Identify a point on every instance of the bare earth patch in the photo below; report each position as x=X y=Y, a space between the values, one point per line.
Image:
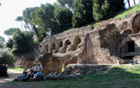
x=12 y=75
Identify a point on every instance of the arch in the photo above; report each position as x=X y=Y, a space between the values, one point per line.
x=131 y=46
x=128 y=49
x=52 y=46
x=46 y=48
x=60 y=44
x=67 y=43
x=136 y=24
x=77 y=41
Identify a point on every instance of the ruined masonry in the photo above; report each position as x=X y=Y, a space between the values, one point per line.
x=106 y=44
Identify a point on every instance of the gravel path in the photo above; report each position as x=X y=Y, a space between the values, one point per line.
x=12 y=75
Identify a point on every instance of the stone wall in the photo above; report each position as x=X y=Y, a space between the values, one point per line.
x=105 y=44
x=84 y=69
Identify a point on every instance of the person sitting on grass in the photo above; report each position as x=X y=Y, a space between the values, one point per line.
x=25 y=72
x=38 y=70
x=33 y=70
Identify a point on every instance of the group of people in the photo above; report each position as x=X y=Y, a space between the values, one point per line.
x=35 y=71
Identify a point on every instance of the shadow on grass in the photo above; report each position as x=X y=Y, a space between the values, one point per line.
x=117 y=77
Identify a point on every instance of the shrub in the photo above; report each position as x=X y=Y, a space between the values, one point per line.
x=3 y=70
x=5 y=57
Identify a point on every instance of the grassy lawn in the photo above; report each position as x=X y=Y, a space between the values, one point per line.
x=123 y=76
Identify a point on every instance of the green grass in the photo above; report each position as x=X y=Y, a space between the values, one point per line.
x=121 y=15
x=127 y=11
x=122 y=76
x=17 y=69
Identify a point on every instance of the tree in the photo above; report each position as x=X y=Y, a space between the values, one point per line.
x=22 y=42
x=10 y=31
x=19 y=18
x=70 y=3
x=82 y=13
x=134 y=2
x=128 y=3
x=40 y=18
x=9 y=43
x=104 y=9
x=63 y=18
x=2 y=39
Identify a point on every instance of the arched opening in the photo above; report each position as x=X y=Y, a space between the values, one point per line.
x=136 y=24
x=52 y=46
x=66 y=44
x=128 y=50
x=60 y=44
x=77 y=41
x=46 y=47
x=131 y=46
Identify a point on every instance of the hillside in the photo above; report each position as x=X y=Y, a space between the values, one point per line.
x=121 y=15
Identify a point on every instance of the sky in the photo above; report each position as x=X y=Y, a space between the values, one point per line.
x=11 y=9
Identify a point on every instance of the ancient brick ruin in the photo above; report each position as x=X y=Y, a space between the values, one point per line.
x=106 y=44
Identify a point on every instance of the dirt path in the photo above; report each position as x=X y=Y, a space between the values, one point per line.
x=6 y=82
x=12 y=75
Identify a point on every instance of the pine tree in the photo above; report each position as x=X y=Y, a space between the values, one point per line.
x=82 y=13
x=104 y=9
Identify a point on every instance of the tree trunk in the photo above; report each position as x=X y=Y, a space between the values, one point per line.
x=128 y=3
x=134 y=2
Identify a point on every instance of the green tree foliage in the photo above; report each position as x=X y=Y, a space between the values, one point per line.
x=22 y=42
x=2 y=42
x=2 y=39
x=70 y=3
x=9 y=43
x=82 y=13
x=10 y=31
x=63 y=18
x=47 y=16
x=42 y=17
x=19 y=18
x=5 y=57
x=104 y=9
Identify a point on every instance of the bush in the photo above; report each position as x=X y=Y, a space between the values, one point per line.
x=22 y=42
x=3 y=70
x=5 y=57
x=82 y=13
x=104 y=9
